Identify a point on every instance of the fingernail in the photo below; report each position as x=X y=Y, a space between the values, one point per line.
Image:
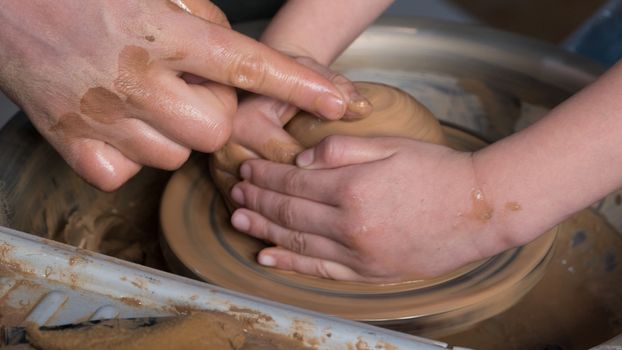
x=330 y=106
x=267 y=260
x=237 y=195
x=359 y=106
x=305 y=158
x=245 y=171
x=240 y=221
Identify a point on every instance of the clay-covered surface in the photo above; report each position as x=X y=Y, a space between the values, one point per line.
x=198 y=330
x=40 y=194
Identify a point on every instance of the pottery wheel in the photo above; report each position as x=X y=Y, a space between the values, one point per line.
x=197 y=232
x=489 y=82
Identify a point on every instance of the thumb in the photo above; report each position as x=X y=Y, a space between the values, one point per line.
x=338 y=151
x=258 y=126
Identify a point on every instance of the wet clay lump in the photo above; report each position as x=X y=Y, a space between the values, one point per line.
x=395 y=113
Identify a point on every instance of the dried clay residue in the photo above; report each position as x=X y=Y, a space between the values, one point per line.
x=199 y=330
x=481 y=210
x=64 y=208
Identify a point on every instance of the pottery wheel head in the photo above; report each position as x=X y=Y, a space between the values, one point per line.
x=199 y=240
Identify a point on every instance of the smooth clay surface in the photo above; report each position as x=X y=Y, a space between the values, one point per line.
x=395 y=113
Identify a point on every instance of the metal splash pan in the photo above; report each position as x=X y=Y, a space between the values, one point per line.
x=51 y=283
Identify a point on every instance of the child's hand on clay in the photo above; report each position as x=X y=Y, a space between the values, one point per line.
x=389 y=209
x=365 y=209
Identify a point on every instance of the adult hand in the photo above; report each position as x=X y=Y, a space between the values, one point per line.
x=365 y=209
x=258 y=129
x=116 y=85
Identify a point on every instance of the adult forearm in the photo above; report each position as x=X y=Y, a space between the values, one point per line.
x=565 y=162
x=321 y=29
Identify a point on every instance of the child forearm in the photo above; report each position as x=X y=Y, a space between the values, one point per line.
x=321 y=29
x=565 y=162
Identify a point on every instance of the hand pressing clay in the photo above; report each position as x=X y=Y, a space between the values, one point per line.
x=395 y=113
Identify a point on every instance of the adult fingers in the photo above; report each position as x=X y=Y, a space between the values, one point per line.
x=258 y=125
x=338 y=151
x=124 y=143
x=288 y=260
x=204 y=9
x=287 y=179
x=299 y=242
x=144 y=145
x=99 y=163
x=291 y=212
x=358 y=105
x=197 y=116
x=225 y=56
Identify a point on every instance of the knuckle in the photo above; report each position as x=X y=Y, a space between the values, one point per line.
x=284 y=213
x=349 y=229
x=263 y=230
x=353 y=228
x=247 y=72
x=331 y=149
x=219 y=131
x=370 y=264
x=287 y=262
x=176 y=160
x=88 y=166
x=322 y=270
x=257 y=167
x=353 y=194
x=348 y=190
x=297 y=242
x=252 y=198
x=292 y=181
